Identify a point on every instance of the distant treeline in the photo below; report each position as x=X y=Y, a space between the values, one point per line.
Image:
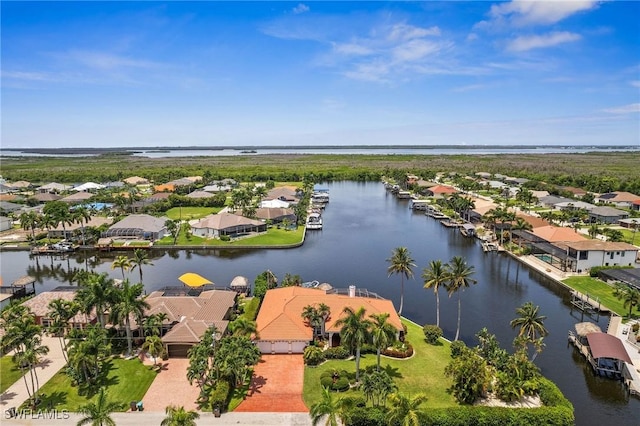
x=595 y=171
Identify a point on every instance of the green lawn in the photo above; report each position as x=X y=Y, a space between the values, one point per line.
x=251 y=308
x=599 y=290
x=9 y=373
x=273 y=237
x=423 y=372
x=126 y=381
x=188 y=213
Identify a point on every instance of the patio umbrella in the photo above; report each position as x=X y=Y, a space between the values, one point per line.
x=239 y=282
x=193 y=280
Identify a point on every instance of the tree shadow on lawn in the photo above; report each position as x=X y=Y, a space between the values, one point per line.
x=49 y=402
x=90 y=389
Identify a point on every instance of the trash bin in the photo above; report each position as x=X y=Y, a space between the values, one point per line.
x=140 y=407
x=216 y=411
x=133 y=405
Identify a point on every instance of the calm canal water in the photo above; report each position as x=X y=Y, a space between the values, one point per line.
x=362 y=226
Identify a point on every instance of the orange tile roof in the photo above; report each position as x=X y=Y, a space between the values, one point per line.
x=442 y=189
x=167 y=187
x=534 y=221
x=557 y=233
x=280 y=314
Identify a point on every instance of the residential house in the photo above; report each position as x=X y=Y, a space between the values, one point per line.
x=631 y=223
x=629 y=276
x=45 y=197
x=7 y=207
x=577 y=192
x=167 y=187
x=199 y=194
x=153 y=198
x=77 y=198
x=283 y=193
x=636 y=205
x=76 y=228
x=274 y=204
x=217 y=187
x=88 y=186
x=54 y=187
x=618 y=199
x=5 y=223
x=217 y=225
x=586 y=254
x=276 y=214
x=20 y=185
x=552 y=200
x=180 y=182
x=605 y=214
x=136 y=180
x=39 y=307
x=574 y=205
x=483 y=175
x=516 y=181
x=281 y=328
x=138 y=226
x=440 y=191
x=188 y=317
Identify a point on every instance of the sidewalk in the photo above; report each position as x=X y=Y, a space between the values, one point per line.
x=48 y=367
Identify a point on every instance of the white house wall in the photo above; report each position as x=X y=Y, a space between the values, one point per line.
x=606 y=258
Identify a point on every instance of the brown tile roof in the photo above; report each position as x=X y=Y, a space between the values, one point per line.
x=288 y=193
x=280 y=314
x=39 y=305
x=557 y=233
x=534 y=221
x=224 y=221
x=599 y=245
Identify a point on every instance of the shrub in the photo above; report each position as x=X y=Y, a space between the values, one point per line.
x=432 y=333
x=399 y=350
x=335 y=380
x=220 y=395
x=368 y=348
x=457 y=348
x=635 y=327
x=313 y=355
x=338 y=352
x=225 y=238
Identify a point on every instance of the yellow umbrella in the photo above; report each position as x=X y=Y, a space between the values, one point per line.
x=193 y=280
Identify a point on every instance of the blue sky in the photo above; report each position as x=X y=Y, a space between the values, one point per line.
x=99 y=74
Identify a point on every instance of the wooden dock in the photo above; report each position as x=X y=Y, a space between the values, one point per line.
x=586 y=303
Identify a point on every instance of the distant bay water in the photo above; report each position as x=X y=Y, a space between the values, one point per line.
x=163 y=152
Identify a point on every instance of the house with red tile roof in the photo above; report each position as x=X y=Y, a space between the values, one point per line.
x=281 y=328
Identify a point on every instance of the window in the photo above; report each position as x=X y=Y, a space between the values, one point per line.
x=584 y=255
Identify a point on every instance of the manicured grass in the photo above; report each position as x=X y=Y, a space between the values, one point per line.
x=597 y=289
x=125 y=381
x=9 y=373
x=273 y=237
x=188 y=213
x=423 y=372
x=251 y=308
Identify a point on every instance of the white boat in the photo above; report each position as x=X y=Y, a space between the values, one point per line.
x=314 y=221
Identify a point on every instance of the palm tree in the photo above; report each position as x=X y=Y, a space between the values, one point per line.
x=354 y=332
x=327 y=408
x=325 y=312
x=154 y=346
x=99 y=413
x=30 y=355
x=405 y=410
x=521 y=225
x=242 y=326
x=128 y=301
x=435 y=276
x=531 y=325
x=459 y=279
x=401 y=263
x=122 y=262
x=173 y=227
x=139 y=258
x=178 y=416
x=382 y=333
x=60 y=312
x=29 y=221
x=81 y=215
x=313 y=318
x=96 y=293
x=630 y=296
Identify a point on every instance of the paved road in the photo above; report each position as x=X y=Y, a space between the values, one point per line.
x=154 y=418
x=50 y=365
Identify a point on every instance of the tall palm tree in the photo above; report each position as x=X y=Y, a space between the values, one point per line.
x=128 y=302
x=81 y=215
x=405 y=410
x=98 y=413
x=61 y=311
x=139 y=258
x=328 y=408
x=434 y=277
x=154 y=346
x=354 y=332
x=178 y=416
x=628 y=295
x=459 y=279
x=521 y=225
x=312 y=316
x=382 y=333
x=122 y=262
x=531 y=325
x=29 y=221
x=325 y=312
x=30 y=355
x=402 y=264
x=96 y=293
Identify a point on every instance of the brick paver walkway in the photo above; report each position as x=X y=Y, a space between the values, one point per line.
x=171 y=387
x=276 y=385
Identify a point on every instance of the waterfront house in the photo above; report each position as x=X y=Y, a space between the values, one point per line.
x=217 y=225
x=188 y=317
x=605 y=214
x=440 y=191
x=281 y=328
x=283 y=193
x=5 y=223
x=618 y=199
x=272 y=204
x=76 y=228
x=581 y=256
x=138 y=226
x=276 y=214
x=630 y=276
x=39 y=307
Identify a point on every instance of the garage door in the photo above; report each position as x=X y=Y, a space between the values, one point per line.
x=264 y=346
x=178 y=351
x=281 y=347
x=298 y=347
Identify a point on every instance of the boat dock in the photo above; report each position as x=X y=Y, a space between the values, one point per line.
x=587 y=304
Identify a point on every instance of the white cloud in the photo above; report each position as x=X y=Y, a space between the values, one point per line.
x=635 y=83
x=520 y=13
x=28 y=76
x=469 y=88
x=404 y=31
x=106 y=61
x=353 y=49
x=523 y=43
x=414 y=50
x=624 y=109
x=300 y=8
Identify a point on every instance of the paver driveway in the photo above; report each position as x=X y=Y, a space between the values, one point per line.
x=276 y=385
x=171 y=387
